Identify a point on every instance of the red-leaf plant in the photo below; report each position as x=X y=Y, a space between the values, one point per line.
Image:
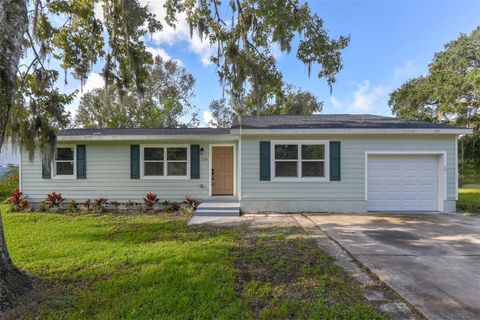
x=99 y=204
x=191 y=202
x=150 y=200
x=54 y=200
x=16 y=198
x=174 y=206
x=24 y=204
x=87 y=205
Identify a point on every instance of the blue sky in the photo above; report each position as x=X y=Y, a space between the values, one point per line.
x=391 y=41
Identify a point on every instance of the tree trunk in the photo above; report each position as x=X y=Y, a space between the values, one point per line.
x=13 y=25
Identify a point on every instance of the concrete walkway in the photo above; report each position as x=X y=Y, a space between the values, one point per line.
x=432 y=260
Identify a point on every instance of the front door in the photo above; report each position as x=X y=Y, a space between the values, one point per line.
x=222 y=171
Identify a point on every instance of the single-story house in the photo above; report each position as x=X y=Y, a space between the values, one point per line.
x=316 y=163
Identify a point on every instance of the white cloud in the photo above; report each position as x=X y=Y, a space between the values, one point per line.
x=180 y=34
x=207 y=117
x=406 y=71
x=368 y=97
x=363 y=100
x=337 y=104
x=203 y=48
x=159 y=52
x=98 y=10
x=94 y=81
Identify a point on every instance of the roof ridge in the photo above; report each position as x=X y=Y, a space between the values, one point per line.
x=149 y=128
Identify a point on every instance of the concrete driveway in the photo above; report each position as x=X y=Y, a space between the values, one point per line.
x=432 y=260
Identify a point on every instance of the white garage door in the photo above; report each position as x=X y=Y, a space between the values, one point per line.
x=402 y=183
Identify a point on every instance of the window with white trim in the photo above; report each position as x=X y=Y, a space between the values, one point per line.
x=64 y=161
x=299 y=160
x=168 y=162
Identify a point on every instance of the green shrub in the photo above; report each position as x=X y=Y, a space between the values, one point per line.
x=42 y=207
x=166 y=206
x=129 y=205
x=8 y=182
x=187 y=210
x=87 y=206
x=72 y=207
x=469 y=208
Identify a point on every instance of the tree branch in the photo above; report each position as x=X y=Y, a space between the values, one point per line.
x=35 y=50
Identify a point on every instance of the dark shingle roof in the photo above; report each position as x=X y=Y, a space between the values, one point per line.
x=143 y=131
x=322 y=121
x=334 y=121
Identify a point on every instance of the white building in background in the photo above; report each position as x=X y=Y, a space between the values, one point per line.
x=9 y=154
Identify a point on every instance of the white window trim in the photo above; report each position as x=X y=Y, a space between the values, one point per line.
x=54 y=163
x=299 y=177
x=165 y=162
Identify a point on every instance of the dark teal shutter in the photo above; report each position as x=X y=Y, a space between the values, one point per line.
x=194 y=161
x=46 y=168
x=335 y=173
x=81 y=161
x=264 y=160
x=135 y=161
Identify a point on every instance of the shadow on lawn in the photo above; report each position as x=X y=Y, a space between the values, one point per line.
x=282 y=274
x=147 y=232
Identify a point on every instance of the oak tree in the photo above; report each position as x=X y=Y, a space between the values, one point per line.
x=70 y=32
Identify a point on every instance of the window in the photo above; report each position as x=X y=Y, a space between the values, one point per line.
x=64 y=163
x=300 y=160
x=176 y=161
x=161 y=161
x=153 y=161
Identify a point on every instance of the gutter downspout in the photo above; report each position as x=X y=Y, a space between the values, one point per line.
x=240 y=161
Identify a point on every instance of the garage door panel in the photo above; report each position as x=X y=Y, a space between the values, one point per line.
x=402 y=183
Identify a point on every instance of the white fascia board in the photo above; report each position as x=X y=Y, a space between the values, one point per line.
x=175 y=137
x=458 y=131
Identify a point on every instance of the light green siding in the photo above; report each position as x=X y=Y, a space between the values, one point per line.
x=345 y=195
x=108 y=176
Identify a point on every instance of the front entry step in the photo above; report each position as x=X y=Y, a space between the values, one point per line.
x=218 y=209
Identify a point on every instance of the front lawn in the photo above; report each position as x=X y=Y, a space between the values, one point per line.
x=150 y=266
x=469 y=200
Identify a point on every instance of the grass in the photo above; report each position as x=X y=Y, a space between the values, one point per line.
x=469 y=200
x=469 y=172
x=148 y=266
